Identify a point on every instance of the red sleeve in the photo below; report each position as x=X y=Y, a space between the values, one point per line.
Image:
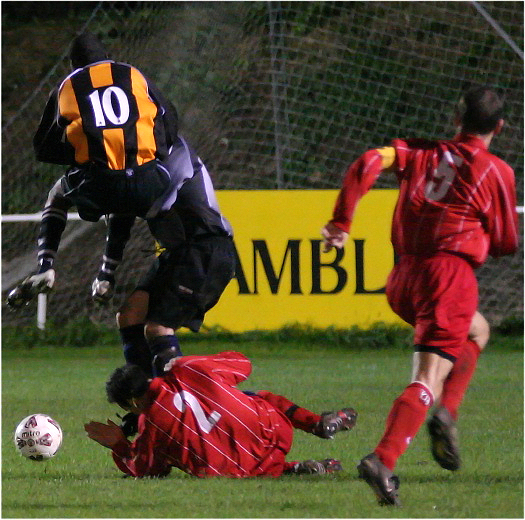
x=232 y=367
x=140 y=458
x=358 y=179
x=501 y=217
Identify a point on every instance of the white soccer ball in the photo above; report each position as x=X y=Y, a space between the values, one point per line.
x=38 y=437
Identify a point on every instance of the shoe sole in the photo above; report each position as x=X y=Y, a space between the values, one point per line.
x=444 y=448
x=365 y=469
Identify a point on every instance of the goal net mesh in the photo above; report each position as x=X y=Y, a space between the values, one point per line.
x=276 y=95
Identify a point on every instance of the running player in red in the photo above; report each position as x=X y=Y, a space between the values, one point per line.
x=456 y=205
x=195 y=419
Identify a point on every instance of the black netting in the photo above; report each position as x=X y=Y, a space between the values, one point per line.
x=280 y=95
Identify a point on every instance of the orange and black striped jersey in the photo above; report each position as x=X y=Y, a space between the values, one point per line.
x=109 y=114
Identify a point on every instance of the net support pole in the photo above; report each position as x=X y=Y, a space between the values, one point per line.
x=279 y=90
x=481 y=10
x=41 y=311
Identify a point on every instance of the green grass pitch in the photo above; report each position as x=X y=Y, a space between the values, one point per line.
x=82 y=482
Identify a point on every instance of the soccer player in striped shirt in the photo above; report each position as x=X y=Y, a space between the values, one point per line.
x=456 y=205
x=119 y=136
x=114 y=130
x=195 y=419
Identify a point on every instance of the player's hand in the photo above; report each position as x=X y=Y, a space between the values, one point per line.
x=23 y=293
x=108 y=435
x=102 y=291
x=333 y=237
x=130 y=424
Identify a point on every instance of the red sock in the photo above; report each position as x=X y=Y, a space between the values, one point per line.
x=404 y=420
x=458 y=380
x=300 y=418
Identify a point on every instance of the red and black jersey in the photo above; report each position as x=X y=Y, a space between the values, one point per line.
x=454 y=196
x=106 y=113
x=200 y=423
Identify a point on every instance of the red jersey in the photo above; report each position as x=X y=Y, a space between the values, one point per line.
x=200 y=423
x=454 y=196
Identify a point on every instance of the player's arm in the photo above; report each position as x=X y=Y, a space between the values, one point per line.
x=49 y=142
x=144 y=457
x=168 y=111
x=52 y=225
x=138 y=459
x=359 y=178
x=233 y=367
x=117 y=236
x=502 y=217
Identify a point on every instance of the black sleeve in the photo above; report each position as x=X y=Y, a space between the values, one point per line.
x=170 y=116
x=49 y=142
x=52 y=224
x=117 y=236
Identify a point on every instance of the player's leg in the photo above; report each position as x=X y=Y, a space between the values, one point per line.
x=274 y=463
x=325 y=425
x=131 y=321
x=407 y=415
x=163 y=312
x=188 y=282
x=443 y=292
x=457 y=382
x=442 y=429
x=410 y=409
x=471 y=331
x=428 y=293
x=163 y=346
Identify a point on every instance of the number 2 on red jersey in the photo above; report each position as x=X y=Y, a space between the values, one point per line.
x=206 y=423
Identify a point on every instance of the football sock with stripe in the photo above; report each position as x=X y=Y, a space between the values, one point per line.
x=406 y=417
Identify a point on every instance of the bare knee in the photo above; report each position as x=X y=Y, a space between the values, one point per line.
x=431 y=369
x=479 y=331
x=133 y=310
x=153 y=330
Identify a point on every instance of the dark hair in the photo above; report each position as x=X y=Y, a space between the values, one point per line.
x=480 y=110
x=85 y=49
x=125 y=383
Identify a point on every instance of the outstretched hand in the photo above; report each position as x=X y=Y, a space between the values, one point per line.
x=107 y=435
x=333 y=237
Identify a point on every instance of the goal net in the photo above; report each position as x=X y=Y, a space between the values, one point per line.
x=276 y=95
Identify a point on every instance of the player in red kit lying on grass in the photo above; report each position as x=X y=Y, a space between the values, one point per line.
x=195 y=419
x=456 y=205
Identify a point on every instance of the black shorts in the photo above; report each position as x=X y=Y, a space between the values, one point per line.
x=185 y=282
x=96 y=191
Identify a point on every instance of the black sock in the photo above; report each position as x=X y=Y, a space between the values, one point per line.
x=135 y=347
x=163 y=348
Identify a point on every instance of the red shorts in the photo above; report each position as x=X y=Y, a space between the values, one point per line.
x=438 y=296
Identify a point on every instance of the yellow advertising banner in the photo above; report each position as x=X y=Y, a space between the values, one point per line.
x=283 y=276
